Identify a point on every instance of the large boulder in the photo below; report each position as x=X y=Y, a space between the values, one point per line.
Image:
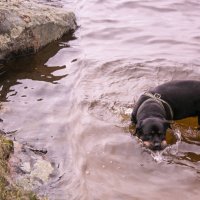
x=26 y=26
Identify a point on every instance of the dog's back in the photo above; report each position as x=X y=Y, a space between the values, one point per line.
x=170 y=101
x=182 y=96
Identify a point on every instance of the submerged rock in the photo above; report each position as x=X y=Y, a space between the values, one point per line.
x=30 y=169
x=8 y=190
x=26 y=26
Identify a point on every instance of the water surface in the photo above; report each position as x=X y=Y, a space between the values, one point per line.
x=74 y=99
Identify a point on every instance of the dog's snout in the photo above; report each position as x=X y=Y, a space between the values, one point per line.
x=157 y=145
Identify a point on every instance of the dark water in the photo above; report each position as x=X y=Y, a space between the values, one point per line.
x=74 y=99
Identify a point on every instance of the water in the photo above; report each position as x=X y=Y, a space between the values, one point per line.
x=74 y=99
x=166 y=154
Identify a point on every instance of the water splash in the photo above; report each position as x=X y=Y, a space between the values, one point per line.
x=177 y=134
x=158 y=156
x=161 y=156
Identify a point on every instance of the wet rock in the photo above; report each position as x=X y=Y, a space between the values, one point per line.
x=42 y=169
x=8 y=190
x=36 y=175
x=29 y=169
x=27 y=26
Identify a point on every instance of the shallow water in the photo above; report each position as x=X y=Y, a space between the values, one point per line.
x=74 y=98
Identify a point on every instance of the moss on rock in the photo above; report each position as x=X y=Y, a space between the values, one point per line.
x=8 y=191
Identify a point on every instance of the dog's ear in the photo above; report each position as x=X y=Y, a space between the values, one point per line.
x=167 y=124
x=133 y=119
x=138 y=128
x=139 y=125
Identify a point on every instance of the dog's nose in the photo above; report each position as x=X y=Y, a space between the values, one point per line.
x=157 y=146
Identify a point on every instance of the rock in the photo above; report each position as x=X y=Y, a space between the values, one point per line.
x=29 y=169
x=42 y=169
x=27 y=26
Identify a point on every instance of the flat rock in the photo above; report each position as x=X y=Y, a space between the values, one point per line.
x=27 y=26
x=28 y=169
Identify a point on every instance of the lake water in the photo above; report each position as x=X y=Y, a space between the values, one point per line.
x=75 y=96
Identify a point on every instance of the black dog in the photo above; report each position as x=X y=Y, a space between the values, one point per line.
x=170 y=101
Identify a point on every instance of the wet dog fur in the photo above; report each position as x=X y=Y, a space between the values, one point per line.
x=152 y=120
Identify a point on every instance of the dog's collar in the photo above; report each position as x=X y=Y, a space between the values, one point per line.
x=157 y=97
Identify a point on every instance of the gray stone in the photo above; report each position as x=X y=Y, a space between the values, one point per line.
x=29 y=169
x=26 y=26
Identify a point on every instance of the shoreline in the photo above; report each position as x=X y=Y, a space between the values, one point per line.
x=8 y=190
x=26 y=28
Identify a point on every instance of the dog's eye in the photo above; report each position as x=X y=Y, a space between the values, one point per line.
x=147 y=137
x=153 y=132
x=162 y=137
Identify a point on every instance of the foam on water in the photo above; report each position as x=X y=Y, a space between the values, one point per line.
x=160 y=156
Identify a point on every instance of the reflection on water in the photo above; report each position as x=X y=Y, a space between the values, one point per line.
x=74 y=99
x=32 y=67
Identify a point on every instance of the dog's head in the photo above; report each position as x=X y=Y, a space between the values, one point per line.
x=152 y=131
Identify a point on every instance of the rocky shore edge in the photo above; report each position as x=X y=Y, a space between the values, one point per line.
x=26 y=26
x=8 y=190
